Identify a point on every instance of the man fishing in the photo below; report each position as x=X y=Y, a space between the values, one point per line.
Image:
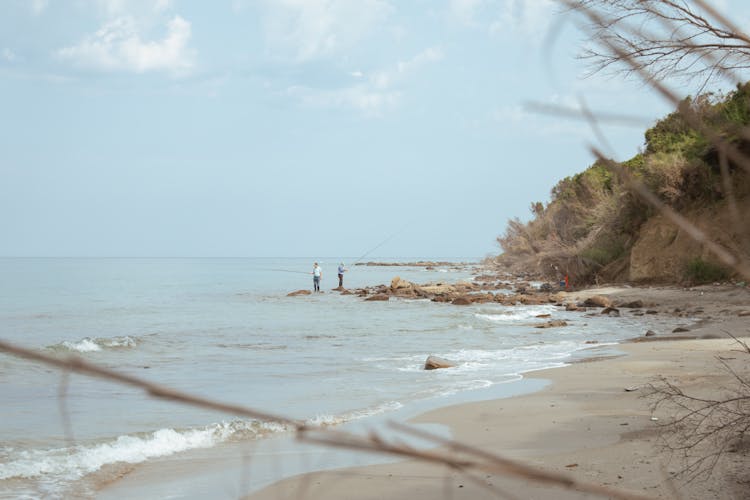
x=317 y=274
x=342 y=270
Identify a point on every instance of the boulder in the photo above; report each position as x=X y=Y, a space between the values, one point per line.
x=298 y=292
x=650 y=333
x=438 y=289
x=634 y=304
x=397 y=284
x=434 y=362
x=461 y=301
x=378 y=296
x=597 y=301
x=611 y=311
x=552 y=324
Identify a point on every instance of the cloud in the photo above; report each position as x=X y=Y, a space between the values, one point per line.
x=525 y=17
x=118 y=8
x=38 y=6
x=498 y=17
x=362 y=97
x=8 y=55
x=118 y=46
x=373 y=94
x=391 y=76
x=464 y=10
x=305 y=30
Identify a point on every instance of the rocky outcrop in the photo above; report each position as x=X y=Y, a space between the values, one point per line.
x=298 y=292
x=378 y=297
x=552 y=324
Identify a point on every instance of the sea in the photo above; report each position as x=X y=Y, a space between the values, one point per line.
x=225 y=329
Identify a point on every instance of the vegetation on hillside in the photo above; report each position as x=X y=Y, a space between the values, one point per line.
x=593 y=218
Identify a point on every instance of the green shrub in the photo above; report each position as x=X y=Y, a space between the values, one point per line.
x=701 y=271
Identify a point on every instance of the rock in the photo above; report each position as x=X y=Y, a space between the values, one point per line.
x=346 y=292
x=434 y=362
x=650 y=333
x=742 y=314
x=680 y=329
x=542 y=315
x=597 y=301
x=378 y=297
x=461 y=301
x=635 y=304
x=437 y=289
x=651 y=311
x=552 y=324
x=571 y=307
x=611 y=311
x=298 y=292
x=397 y=283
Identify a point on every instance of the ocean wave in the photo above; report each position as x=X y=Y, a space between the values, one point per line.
x=331 y=420
x=72 y=463
x=88 y=344
x=515 y=313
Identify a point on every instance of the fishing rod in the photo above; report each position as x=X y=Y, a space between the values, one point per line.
x=287 y=271
x=389 y=238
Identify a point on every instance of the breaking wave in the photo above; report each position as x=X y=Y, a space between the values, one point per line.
x=88 y=344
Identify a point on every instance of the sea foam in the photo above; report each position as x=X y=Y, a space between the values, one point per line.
x=75 y=462
x=88 y=344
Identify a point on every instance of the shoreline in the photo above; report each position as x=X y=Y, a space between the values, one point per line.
x=550 y=444
x=584 y=423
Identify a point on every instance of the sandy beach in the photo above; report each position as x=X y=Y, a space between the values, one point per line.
x=592 y=423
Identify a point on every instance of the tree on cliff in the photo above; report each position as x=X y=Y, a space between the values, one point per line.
x=679 y=39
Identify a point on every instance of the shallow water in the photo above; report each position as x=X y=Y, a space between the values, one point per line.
x=224 y=328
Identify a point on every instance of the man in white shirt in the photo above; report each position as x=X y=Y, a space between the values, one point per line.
x=317 y=275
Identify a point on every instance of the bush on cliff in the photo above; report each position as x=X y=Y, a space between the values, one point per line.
x=593 y=218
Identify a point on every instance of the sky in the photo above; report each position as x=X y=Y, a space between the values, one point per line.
x=283 y=128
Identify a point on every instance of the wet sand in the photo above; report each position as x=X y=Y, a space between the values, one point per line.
x=590 y=423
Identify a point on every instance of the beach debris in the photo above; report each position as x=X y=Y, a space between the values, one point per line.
x=652 y=311
x=632 y=388
x=298 y=292
x=597 y=301
x=570 y=466
x=542 y=315
x=553 y=323
x=378 y=297
x=434 y=363
x=743 y=313
x=654 y=419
